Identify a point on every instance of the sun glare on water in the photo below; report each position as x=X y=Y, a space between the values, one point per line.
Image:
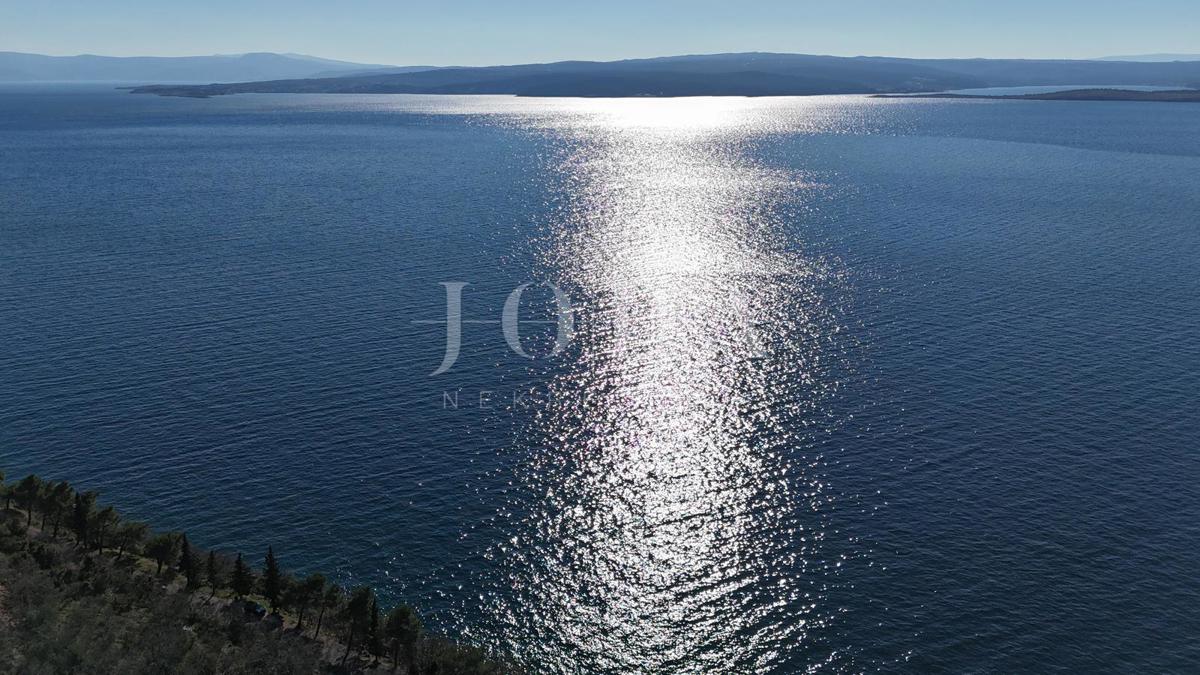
x=666 y=500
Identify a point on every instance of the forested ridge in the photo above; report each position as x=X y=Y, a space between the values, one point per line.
x=84 y=590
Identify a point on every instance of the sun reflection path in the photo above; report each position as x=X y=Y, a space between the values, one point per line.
x=671 y=527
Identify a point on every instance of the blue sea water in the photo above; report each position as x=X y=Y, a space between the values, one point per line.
x=855 y=384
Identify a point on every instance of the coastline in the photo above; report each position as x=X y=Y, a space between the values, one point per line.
x=81 y=587
x=1166 y=96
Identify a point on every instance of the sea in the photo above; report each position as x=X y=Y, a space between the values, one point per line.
x=775 y=385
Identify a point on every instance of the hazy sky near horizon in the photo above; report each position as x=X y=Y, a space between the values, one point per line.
x=480 y=32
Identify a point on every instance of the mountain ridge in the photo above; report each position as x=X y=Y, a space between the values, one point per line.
x=24 y=67
x=734 y=74
x=1152 y=58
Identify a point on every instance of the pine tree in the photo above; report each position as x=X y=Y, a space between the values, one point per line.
x=404 y=630
x=64 y=497
x=243 y=581
x=81 y=515
x=309 y=591
x=272 y=581
x=46 y=503
x=27 y=496
x=374 y=635
x=129 y=535
x=103 y=521
x=189 y=565
x=358 y=613
x=212 y=572
x=331 y=599
x=161 y=548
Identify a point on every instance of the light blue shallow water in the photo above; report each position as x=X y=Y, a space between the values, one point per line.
x=856 y=384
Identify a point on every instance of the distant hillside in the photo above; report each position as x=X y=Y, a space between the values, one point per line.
x=374 y=70
x=1153 y=58
x=18 y=67
x=751 y=74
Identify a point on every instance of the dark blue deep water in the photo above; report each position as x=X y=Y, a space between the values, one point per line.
x=855 y=384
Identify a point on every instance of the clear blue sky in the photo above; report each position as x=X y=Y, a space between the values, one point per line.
x=475 y=32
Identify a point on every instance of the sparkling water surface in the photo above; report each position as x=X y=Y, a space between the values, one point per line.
x=855 y=384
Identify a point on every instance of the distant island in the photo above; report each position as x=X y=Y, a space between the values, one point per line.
x=1175 y=95
x=748 y=74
